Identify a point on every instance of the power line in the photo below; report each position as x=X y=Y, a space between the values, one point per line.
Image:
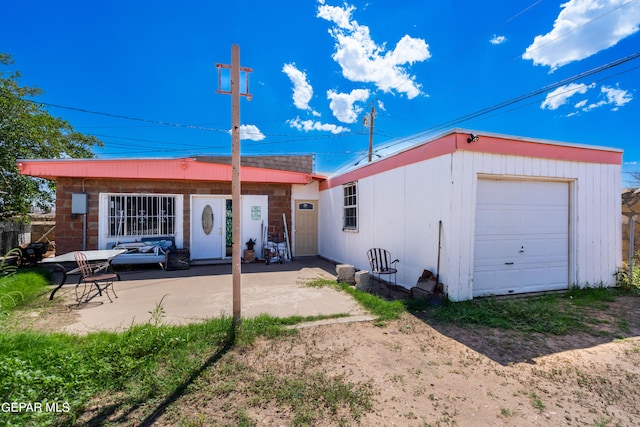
x=503 y=104
x=120 y=116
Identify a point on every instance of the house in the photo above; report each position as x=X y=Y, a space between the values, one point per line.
x=490 y=214
x=187 y=199
x=504 y=215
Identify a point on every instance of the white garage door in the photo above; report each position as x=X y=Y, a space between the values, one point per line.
x=521 y=237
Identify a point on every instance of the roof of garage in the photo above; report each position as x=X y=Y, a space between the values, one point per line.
x=460 y=140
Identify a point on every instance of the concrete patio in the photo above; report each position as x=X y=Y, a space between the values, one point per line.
x=205 y=291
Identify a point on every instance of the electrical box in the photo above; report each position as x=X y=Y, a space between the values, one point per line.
x=78 y=204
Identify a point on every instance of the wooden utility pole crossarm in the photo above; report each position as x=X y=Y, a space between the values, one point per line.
x=236 y=257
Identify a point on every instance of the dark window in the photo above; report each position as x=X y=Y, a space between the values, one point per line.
x=350 y=213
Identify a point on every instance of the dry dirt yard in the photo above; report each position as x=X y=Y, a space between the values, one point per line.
x=424 y=374
x=420 y=373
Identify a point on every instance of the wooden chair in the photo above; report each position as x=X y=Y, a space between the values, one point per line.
x=381 y=264
x=93 y=275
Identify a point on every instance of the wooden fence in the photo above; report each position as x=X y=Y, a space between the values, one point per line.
x=13 y=235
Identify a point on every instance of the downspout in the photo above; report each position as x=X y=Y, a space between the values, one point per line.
x=84 y=221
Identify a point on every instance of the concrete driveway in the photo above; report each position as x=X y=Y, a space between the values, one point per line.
x=206 y=291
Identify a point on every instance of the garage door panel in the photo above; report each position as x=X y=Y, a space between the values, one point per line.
x=521 y=237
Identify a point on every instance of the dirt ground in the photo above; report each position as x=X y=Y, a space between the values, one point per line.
x=421 y=373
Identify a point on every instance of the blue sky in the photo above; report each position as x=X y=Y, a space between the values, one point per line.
x=141 y=75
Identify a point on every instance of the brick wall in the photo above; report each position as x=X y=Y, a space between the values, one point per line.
x=69 y=229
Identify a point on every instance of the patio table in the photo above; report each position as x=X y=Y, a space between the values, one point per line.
x=62 y=265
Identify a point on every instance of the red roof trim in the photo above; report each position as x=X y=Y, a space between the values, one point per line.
x=158 y=169
x=487 y=143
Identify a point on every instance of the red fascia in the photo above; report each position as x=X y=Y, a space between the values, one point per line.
x=186 y=169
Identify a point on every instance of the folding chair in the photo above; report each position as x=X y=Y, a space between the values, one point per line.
x=379 y=261
x=91 y=275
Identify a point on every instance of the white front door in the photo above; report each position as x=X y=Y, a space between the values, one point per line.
x=521 y=237
x=207 y=227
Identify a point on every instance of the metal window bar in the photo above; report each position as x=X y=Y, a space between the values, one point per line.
x=141 y=215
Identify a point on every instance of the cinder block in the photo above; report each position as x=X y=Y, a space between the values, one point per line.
x=346 y=273
x=363 y=280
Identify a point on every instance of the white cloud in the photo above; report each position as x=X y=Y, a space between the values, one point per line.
x=560 y=96
x=616 y=98
x=584 y=28
x=498 y=39
x=581 y=104
x=309 y=125
x=343 y=105
x=609 y=96
x=302 y=90
x=251 y=132
x=362 y=60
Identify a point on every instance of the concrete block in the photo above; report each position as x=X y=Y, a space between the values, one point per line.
x=363 y=280
x=346 y=273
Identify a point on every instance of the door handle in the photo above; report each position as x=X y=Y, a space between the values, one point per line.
x=508 y=263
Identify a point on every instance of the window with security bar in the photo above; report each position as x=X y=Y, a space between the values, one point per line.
x=141 y=215
x=350 y=207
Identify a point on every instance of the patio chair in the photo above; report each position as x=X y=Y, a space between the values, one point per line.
x=381 y=265
x=93 y=275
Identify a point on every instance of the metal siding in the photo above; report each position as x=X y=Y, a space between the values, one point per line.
x=511 y=214
x=416 y=196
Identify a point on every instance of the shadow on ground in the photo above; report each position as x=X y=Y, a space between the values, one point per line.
x=621 y=319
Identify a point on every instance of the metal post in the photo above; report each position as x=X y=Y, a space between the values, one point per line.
x=235 y=181
x=373 y=113
x=632 y=222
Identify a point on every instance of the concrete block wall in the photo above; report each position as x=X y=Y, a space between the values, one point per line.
x=303 y=163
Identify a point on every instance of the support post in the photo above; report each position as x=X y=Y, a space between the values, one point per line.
x=632 y=223
x=236 y=206
x=373 y=114
x=235 y=182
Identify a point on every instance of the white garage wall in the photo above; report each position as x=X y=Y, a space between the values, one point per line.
x=595 y=234
x=399 y=210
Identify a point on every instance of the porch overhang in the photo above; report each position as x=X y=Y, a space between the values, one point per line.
x=183 y=169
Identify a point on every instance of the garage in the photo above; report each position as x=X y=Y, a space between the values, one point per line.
x=521 y=240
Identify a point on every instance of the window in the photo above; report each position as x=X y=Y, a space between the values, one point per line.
x=350 y=214
x=141 y=215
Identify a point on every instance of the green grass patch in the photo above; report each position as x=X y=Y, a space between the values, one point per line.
x=21 y=288
x=145 y=367
x=555 y=314
x=383 y=309
x=143 y=364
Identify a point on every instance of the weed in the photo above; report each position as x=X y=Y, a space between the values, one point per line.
x=384 y=309
x=8 y=268
x=158 y=313
x=556 y=314
x=19 y=289
x=506 y=412
x=537 y=403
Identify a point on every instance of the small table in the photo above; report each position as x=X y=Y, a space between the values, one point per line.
x=59 y=272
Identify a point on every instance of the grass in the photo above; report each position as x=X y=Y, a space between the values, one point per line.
x=383 y=309
x=143 y=371
x=146 y=368
x=555 y=314
x=20 y=288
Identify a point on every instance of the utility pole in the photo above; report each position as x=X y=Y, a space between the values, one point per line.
x=371 y=116
x=236 y=248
